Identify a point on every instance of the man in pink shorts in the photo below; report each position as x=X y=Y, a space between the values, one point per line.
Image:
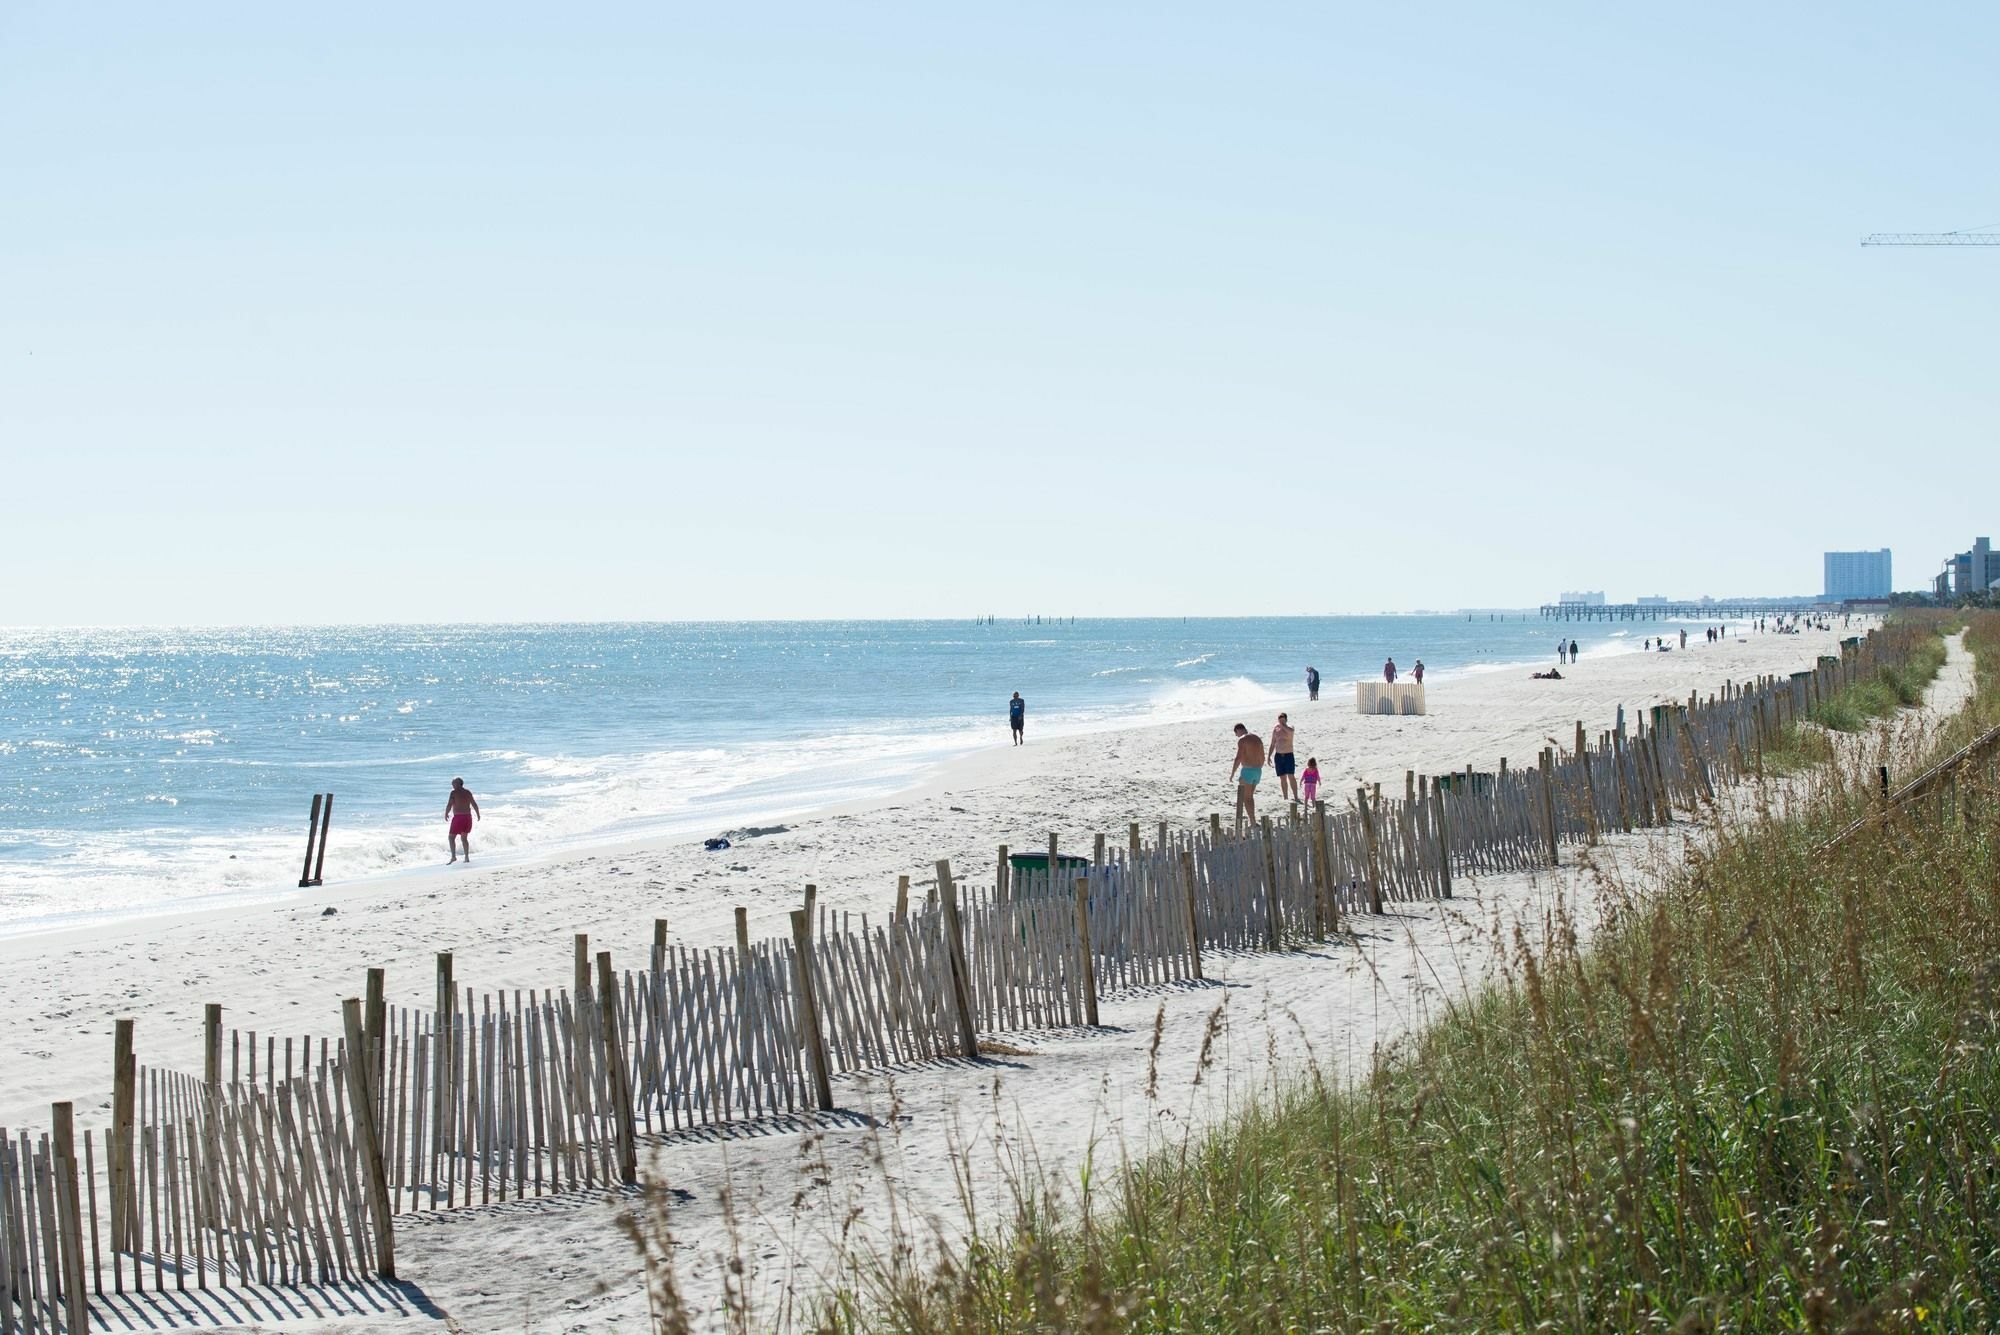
x=462 y=808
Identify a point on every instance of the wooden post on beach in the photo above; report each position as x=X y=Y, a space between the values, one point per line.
x=374 y=1020
x=1441 y=804
x=903 y=896
x=1084 y=952
x=961 y=979
x=124 y=1090
x=745 y=1031
x=1618 y=766
x=1549 y=802
x=211 y=1048
x=620 y=1074
x=368 y=1139
x=69 y=1222
x=312 y=839
x=325 y=827
x=1002 y=874
x=1368 y=838
x=1193 y=911
x=1161 y=845
x=659 y=945
x=1215 y=827
x=1274 y=913
x=1589 y=791
x=1052 y=864
x=1132 y=843
x=580 y=967
x=808 y=1009
x=1328 y=911
x=1097 y=853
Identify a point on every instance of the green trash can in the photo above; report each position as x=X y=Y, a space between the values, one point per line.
x=1030 y=871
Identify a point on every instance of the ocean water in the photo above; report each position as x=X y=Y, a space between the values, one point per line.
x=145 y=770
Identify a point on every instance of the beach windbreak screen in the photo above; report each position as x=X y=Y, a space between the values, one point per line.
x=142 y=770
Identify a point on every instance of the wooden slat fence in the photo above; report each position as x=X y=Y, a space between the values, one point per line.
x=282 y=1164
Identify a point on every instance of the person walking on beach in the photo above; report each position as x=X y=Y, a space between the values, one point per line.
x=1309 y=780
x=1248 y=770
x=1562 y=651
x=1417 y=672
x=1389 y=671
x=1017 y=716
x=461 y=809
x=1283 y=762
x=1572 y=653
x=1312 y=683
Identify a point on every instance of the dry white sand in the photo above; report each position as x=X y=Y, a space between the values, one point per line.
x=794 y=1185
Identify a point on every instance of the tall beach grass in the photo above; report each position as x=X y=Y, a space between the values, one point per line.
x=1766 y=1096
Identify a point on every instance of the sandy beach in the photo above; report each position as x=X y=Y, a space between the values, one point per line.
x=560 y=1264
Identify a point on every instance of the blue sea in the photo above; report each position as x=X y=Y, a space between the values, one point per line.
x=147 y=770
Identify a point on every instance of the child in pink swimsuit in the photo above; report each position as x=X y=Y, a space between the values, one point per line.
x=1309 y=780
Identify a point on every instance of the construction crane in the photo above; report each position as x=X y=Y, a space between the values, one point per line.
x=1971 y=236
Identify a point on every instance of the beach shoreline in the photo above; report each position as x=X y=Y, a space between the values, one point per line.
x=281 y=967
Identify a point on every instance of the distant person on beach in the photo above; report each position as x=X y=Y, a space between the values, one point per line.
x=1417 y=672
x=1309 y=780
x=1283 y=762
x=1572 y=653
x=1248 y=771
x=1684 y=637
x=1562 y=651
x=1389 y=671
x=1550 y=675
x=462 y=808
x=1017 y=716
x=1312 y=683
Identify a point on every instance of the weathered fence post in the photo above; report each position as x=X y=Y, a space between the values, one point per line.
x=903 y=895
x=617 y=1069
x=211 y=1047
x=580 y=967
x=1443 y=807
x=1589 y=788
x=1193 y=910
x=1549 y=802
x=659 y=945
x=961 y=982
x=325 y=828
x=745 y=1031
x=69 y=1223
x=1002 y=874
x=1327 y=911
x=374 y=1021
x=813 y=1038
x=367 y=1134
x=1274 y=914
x=124 y=1087
x=1132 y=842
x=1374 y=877
x=1084 y=951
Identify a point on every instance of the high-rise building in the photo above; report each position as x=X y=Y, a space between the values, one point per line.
x=1975 y=571
x=1585 y=597
x=1858 y=575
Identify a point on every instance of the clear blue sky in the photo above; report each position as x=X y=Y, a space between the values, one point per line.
x=355 y=312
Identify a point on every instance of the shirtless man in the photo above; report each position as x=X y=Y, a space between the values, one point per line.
x=1247 y=770
x=462 y=808
x=1283 y=763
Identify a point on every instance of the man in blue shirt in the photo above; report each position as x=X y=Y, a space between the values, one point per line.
x=1017 y=713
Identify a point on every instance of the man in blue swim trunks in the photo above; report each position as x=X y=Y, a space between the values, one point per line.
x=1247 y=770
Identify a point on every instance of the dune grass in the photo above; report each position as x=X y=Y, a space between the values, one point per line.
x=1766 y=1097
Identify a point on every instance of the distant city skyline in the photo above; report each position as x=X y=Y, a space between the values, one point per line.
x=465 y=313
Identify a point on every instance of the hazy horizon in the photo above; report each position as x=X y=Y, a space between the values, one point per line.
x=462 y=315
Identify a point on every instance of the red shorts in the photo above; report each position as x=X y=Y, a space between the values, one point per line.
x=461 y=823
